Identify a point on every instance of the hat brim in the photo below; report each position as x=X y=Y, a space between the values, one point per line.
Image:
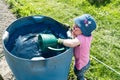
x=79 y=22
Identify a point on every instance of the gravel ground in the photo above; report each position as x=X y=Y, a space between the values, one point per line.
x=6 y=18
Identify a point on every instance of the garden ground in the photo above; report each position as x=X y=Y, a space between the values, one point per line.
x=6 y=17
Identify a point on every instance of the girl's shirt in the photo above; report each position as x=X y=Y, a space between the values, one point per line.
x=82 y=51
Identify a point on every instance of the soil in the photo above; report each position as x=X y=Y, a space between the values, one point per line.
x=6 y=18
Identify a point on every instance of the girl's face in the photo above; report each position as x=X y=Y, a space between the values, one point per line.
x=76 y=30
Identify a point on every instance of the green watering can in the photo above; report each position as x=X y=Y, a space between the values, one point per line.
x=48 y=42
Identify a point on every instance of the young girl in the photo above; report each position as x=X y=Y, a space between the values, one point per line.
x=82 y=29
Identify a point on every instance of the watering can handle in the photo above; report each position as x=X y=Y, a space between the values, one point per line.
x=60 y=41
x=55 y=49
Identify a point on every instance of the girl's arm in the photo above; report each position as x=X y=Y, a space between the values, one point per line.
x=69 y=42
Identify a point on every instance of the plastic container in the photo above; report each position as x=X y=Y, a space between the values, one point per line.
x=52 y=67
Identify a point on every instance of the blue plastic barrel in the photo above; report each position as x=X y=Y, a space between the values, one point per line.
x=51 y=68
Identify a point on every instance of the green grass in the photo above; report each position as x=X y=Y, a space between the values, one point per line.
x=106 y=41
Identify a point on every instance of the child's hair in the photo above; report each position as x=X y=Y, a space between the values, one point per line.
x=86 y=23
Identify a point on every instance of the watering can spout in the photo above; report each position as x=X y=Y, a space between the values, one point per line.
x=48 y=42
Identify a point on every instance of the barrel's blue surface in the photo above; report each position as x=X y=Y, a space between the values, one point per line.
x=52 y=68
